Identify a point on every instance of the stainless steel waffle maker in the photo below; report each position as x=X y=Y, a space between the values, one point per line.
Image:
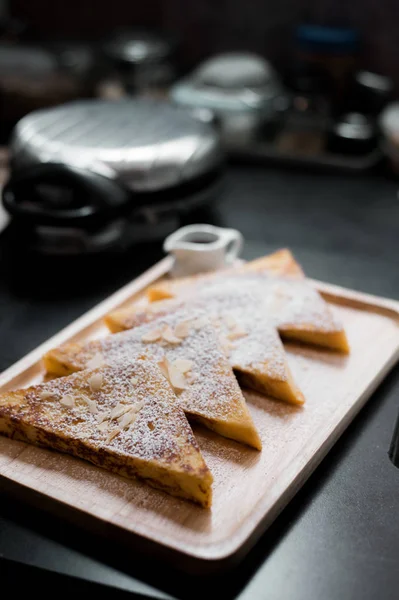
x=93 y=176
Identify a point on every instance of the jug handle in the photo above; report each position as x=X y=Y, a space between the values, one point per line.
x=234 y=242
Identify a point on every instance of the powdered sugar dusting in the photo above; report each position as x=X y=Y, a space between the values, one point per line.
x=159 y=430
x=284 y=301
x=249 y=340
x=257 y=344
x=287 y=302
x=212 y=391
x=258 y=304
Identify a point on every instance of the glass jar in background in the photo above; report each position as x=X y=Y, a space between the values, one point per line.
x=332 y=53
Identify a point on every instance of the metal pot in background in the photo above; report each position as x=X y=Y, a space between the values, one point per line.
x=241 y=89
x=137 y=62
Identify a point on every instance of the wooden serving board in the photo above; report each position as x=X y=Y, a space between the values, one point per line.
x=250 y=488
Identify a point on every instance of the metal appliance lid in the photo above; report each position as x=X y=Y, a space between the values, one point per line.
x=148 y=145
x=236 y=70
x=230 y=83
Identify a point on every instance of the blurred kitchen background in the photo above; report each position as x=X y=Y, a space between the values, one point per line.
x=207 y=27
x=298 y=83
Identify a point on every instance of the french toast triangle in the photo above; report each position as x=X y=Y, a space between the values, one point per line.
x=294 y=308
x=281 y=263
x=193 y=360
x=250 y=341
x=297 y=310
x=124 y=419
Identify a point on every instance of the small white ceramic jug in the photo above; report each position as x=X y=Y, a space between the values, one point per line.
x=201 y=248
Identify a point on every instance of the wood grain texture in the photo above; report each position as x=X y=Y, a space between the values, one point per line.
x=250 y=488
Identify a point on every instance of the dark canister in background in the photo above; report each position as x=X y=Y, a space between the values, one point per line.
x=138 y=62
x=353 y=134
x=370 y=93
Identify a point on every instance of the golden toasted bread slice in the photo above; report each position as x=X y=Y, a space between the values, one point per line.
x=295 y=308
x=257 y=354
x=192 y=359
x=304 y=316
x=161 y=296
x=300 y=313
x=251 y=342
x=125 y=419
x=136 y=315
x=280 y=263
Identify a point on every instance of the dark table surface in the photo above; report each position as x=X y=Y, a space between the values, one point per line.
x=339 y=537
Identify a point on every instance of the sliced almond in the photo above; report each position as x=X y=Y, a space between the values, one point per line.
x=96 y=362
x=227 y=348
x=230 y=322
x=103 y=426
x=90 y=403
x=173 y=375
x=163 y=365
x=191 y=377
x=176 y=378
x=183 y=364
x=152 y=336
x=113 y=434
x=137 y=406
x=157 y=306
x=102 y=416
x=68 y=400
x=127 y=419
x=199 y=323
x=273 y=303
x=95 y=381
x=45 y=395
x=170 y=337
x=222 y=340
x=237 y=334
x=182 y=330
x=280 y=290
x=225 y=345
x=119 y=410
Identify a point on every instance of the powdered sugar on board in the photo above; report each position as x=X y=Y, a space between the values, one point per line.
x=258 y=304
x=211 y=391
x=284 y=301
x=250 y=340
